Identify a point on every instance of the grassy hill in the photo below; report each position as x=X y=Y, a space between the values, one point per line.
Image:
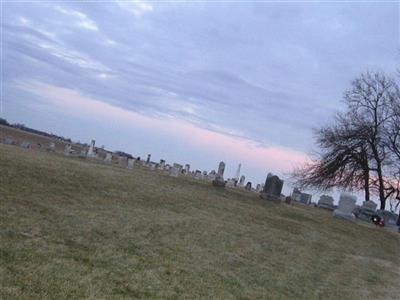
x=73 y=228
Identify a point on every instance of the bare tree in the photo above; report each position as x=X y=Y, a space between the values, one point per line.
x=342 y=162
x=370 y=102
x=361 y=149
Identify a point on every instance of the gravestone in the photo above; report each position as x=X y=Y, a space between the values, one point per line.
x=90 y=152
x=305 y=198
x=367 y=210
x=51 y=147
x=25 y=145
x=175 y=170
x=272 y=188
x=161 y=165
x=152 y=166
x=67 y=149
x=326 y=202
x=131 y=163
x=108 y=157
x=258 y=188
x=82 y=154
x=230 y=182
x=123 y=160
x=148 y=159
x=389 y=217
x=248 y=186
x=241 y=181
x=8 y=141
x=219 y=178
x=197 y=174
x=221 y=169
x=296 y=194
x=212 y=175
x=347 y=203
x=187 y=168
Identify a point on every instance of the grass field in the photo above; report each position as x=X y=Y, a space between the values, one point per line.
x=73 y=228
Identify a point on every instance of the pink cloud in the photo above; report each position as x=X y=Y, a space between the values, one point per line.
x=263 y=158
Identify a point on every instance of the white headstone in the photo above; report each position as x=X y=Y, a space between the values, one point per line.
x=51 y=147
x=347 y=203
x=131 y=163
x=219 y=178
x=231 y=182
x=67 y=149
x=197 y=174
x=108 y=157
x=175 y=170
x=241 y=181
x=91 y=149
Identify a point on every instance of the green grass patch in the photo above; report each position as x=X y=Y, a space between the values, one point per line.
x=73 y=228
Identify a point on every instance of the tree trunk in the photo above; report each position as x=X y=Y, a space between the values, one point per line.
x=366 y=185
x=381 y=187
x=380 y=176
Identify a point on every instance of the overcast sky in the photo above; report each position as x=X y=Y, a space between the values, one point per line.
x=191 y=82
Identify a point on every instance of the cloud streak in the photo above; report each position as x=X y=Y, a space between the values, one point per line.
x=136 y=7
x=235 y=148
x=82 y=20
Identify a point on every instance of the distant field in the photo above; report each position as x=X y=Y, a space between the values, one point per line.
x=19 y=136
x=73 y=228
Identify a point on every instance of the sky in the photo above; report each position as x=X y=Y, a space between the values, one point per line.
x=191 y=82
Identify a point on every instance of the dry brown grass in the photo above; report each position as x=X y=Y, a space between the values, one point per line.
x=73 y=228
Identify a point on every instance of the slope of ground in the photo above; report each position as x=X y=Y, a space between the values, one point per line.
x=73 y=228
x=18 y=136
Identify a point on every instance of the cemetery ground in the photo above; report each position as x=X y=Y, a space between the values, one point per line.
x=77 y=228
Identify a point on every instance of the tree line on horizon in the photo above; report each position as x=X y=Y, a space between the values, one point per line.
x=360 y=147
x=4 y=122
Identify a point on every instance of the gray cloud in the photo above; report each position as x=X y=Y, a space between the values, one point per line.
x=266 y=71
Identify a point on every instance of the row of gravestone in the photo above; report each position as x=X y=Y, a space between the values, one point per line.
x=271 y=190
x=347 y=209
x=175 y=170
x=27 y=144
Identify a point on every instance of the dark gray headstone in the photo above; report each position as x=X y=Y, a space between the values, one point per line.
x=305 y=198
x=273 y=185
x=248 y=186
x=272 y=189
x=389 y=217
x=326 y=202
